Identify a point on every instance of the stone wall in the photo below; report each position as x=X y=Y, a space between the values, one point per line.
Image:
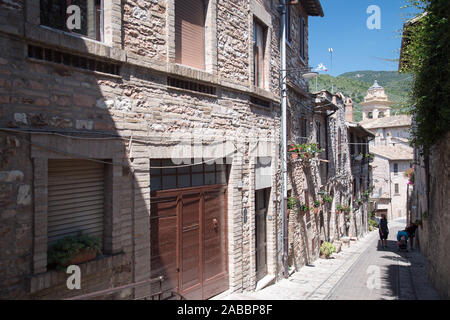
x=434 y=235
x=102 y=116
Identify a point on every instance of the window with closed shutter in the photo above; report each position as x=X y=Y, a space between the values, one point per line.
x=190 y=33
x=75 y=198
x=302 y=35
x=259 y=44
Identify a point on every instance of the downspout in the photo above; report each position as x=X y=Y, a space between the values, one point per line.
x=283 y=138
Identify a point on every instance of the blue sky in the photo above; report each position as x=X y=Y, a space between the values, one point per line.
x=344 y=29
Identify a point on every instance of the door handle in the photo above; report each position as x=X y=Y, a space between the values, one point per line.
x=215 y=224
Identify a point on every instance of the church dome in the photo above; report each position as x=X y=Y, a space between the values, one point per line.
x=375 y=86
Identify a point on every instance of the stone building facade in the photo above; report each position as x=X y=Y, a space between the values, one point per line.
x=107 y=118
x=392 y=153
x=359 y=141
x=332 y=173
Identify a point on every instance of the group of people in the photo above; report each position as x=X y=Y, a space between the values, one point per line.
x=403 y=236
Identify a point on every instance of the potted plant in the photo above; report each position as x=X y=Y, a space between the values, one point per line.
x=316 y=206
x=304 y=208
x=73 y=250
x=291 y=203
x=326 y=249
x=346 y=209
x=340 y=208
x=326 y=198
x=293 y=150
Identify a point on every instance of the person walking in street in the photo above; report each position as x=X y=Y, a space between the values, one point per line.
x=411 y=230
x=383 y=231
x=402 y=240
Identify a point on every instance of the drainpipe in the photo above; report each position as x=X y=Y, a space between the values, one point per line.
x=284 y=246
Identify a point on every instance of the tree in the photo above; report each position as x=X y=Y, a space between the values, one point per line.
x=426 y=53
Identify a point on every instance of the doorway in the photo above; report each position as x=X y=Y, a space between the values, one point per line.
x=261 y=206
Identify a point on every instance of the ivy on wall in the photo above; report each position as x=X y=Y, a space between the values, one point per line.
x=426 y=53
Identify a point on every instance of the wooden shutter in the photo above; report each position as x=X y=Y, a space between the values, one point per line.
x=302 y=37
x=75 y=198
x=259 y=50
x=190 y=33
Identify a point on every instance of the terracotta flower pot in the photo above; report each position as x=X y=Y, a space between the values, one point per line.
x=83 y=255
x=294 y=155
x=316 y=210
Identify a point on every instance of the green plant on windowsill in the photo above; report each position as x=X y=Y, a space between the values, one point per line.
x=304 y=208
x=425 y=214
x=317 y=204
x=326 y=198
x=291 y=202
x=326 y=249
x=340 y=208
x=73 y=250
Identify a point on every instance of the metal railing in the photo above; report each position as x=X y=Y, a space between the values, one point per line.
x=159 y=295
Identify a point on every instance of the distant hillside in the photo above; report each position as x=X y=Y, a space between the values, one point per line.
x=355 y=85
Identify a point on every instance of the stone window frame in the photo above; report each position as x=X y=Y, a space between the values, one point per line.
x=258 y=12
x=112 y=29
x=87 y=149
x=210 y=37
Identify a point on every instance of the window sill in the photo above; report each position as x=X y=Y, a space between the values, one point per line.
x=191 y=73
x=59 y=65
x=52 y=278
x=72 y=42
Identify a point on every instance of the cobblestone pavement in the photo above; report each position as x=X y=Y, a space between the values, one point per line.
x=362 y=271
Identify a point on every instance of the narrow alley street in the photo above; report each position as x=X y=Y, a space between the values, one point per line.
x=362 y=271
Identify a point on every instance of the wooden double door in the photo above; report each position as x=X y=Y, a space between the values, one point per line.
x=188 y=240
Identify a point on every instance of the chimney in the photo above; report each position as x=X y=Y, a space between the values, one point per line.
x=349 y=110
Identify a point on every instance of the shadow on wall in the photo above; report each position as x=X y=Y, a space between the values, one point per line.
x=64 y=168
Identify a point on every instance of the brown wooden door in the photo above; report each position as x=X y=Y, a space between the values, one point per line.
x=188 y=237
x=261 y=199
x=215 y=259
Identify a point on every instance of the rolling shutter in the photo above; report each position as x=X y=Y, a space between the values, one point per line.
x=190 y=33
x=75 y=198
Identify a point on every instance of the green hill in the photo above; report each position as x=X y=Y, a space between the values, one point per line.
x=355 y=85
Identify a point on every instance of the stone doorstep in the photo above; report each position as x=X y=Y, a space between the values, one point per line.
x=52 y=278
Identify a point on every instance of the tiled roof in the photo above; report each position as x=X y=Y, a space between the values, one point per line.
x=392 y=121
x=393 y=152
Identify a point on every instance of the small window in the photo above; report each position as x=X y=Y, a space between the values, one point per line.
x=381 y=114
x=259 y=45
x=370 y=115
x=303 y=130
x=396 y=169
x=318 y=134
x=397 y=191
x=83 y=17
x=166 y=175
x=288 y=24
x=302 y=40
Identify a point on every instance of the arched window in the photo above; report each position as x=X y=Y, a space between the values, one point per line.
x=370 y=115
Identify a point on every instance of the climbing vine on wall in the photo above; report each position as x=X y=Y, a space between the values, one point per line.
x=426 y=53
